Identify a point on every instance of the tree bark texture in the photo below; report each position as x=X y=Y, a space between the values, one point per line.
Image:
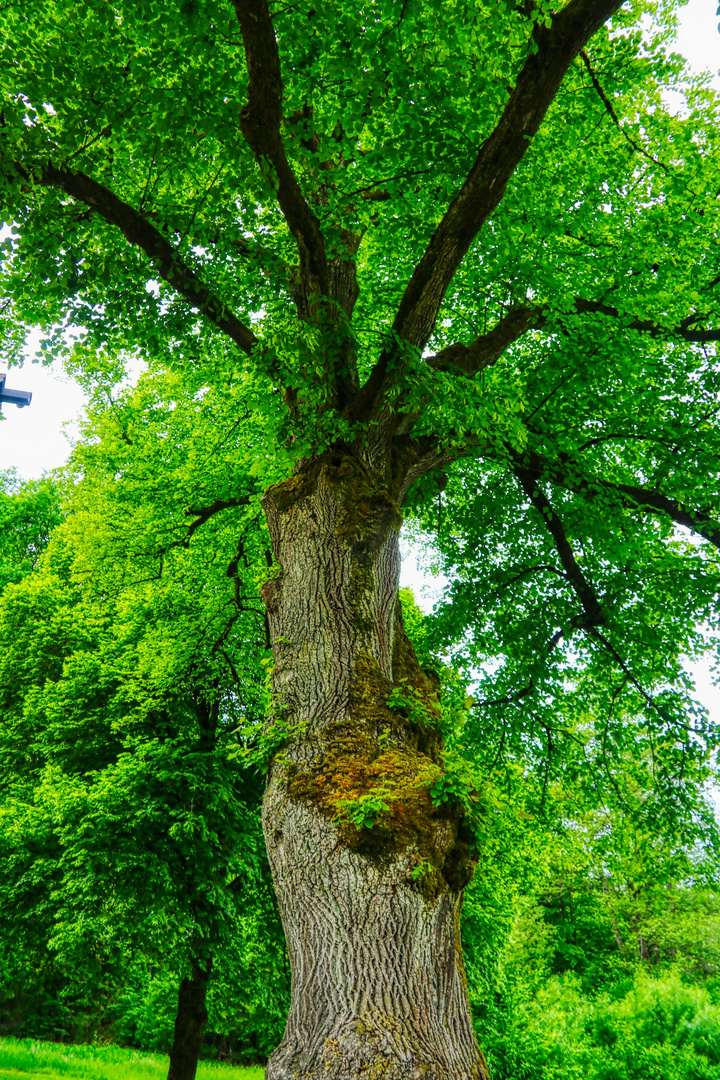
x=368 y=872
x=190 y=1023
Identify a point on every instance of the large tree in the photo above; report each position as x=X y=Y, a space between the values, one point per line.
x=129 y=659
x=403 y=236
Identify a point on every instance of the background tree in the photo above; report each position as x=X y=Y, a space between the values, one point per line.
x=407 y=237
x=129 y=660
x=572 y=967
x=29 y=510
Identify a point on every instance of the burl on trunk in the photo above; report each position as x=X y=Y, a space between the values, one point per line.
x=368 y=872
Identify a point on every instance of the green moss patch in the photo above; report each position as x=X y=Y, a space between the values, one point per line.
x=374 y=781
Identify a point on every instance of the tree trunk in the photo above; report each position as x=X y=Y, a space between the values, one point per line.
x=190 y=1022
x=368 y=873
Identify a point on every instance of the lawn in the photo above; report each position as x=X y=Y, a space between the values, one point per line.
x=29 y=1059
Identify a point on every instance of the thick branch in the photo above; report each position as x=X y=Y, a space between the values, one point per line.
x=500 y=154
x=697 y=521
x=593 y=614
x=570 y=476
x=141 y=233
x=683 y=330
x=486 y=349
x=260 y=121
x=203 y=514
x=498 y=157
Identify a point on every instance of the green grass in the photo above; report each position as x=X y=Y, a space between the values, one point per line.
x=29 y=1059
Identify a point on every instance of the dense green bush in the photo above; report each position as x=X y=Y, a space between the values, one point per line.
x=660 y=1027
x=131 y=1000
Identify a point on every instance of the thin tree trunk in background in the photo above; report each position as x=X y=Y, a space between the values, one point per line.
x=190 y=1023
x=370 y=911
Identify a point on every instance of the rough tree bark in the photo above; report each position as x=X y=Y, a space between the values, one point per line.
x=190 y=1023
x=371 y=912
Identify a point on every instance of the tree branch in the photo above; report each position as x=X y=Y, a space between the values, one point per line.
x=585 y=593
x=485 y=350
x=593 y=616
x=141 y=233
x=488 y=348
x=203 y=514
x=653 y=501
x=569 y=475
x=500 y=154
x=683 y=330
x=614 y=117
x=260 y=121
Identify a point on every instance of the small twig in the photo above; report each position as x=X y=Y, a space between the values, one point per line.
x=611 y=112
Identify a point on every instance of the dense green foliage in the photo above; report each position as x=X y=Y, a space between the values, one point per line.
x=130 y=658
x=473 y=247
x=572 y=390
x=578 y=969
x=28 y=512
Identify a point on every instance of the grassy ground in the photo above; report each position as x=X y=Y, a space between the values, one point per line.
x=28 y=1059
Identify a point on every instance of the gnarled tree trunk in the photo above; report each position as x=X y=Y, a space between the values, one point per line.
x=368 y=873
x=190 y=1023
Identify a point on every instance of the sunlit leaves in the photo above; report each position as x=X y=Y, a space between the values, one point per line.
x=127 y=660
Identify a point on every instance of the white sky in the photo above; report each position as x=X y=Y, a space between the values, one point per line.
x=698 y=38
x=36 y=438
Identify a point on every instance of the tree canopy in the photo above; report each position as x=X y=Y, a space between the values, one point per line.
x=568 y=290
